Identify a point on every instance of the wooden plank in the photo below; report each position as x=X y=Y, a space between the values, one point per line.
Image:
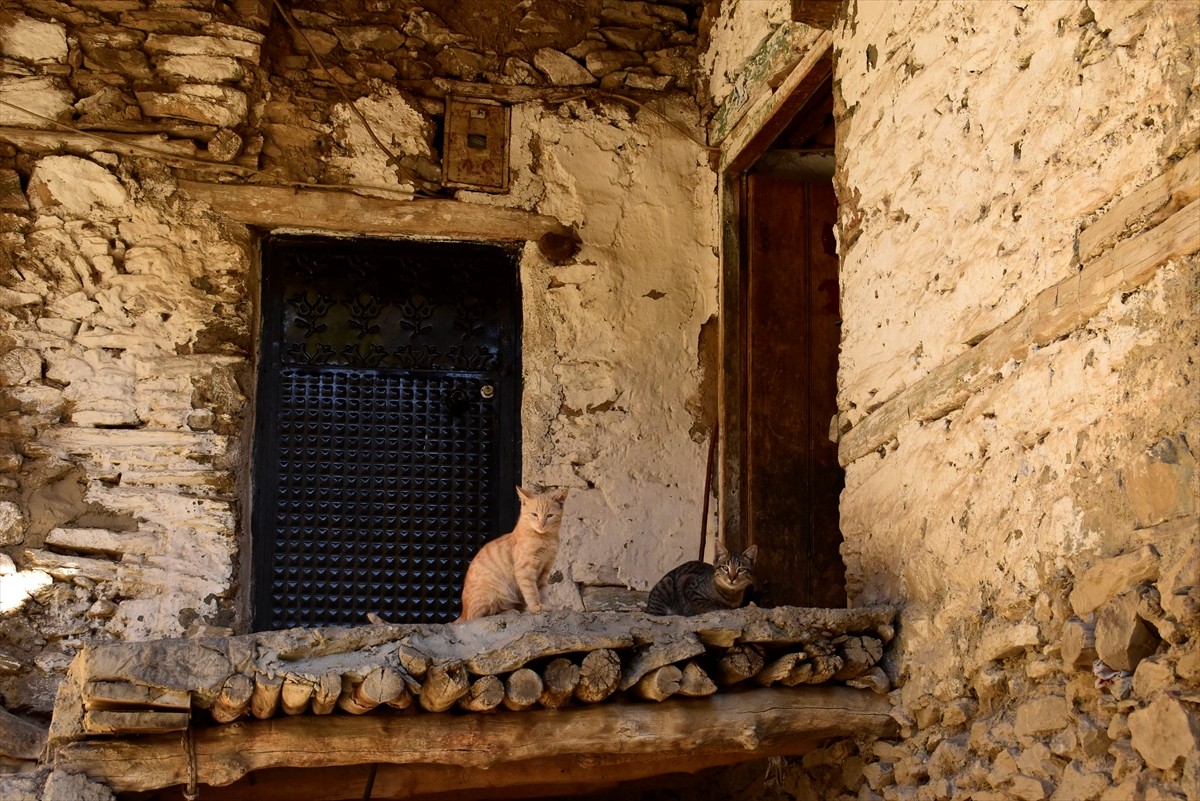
x=1151 y=203
x=343 y=212
x=82 y=144
x=721 y=729
x=112 y=721
x=120 y=695
x=1057 y=311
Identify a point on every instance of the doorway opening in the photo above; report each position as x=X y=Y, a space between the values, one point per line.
x=783 y=479
x=387 y=440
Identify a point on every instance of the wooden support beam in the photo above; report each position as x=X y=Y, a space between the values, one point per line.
x=583 y=743
x=347 y=213
x=1056 y=311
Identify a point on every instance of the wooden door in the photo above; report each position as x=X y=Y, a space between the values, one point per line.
x=792 y=332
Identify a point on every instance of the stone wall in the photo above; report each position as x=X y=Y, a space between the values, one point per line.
x=129 y=306
x=1018 y=238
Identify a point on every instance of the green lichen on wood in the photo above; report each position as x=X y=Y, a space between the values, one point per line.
x=775 y=57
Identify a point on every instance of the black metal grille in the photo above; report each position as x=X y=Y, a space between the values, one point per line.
x=386 y=440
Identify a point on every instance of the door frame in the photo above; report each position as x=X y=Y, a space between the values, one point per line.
x=750 y=140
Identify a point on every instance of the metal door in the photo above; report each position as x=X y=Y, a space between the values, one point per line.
x=387 y=437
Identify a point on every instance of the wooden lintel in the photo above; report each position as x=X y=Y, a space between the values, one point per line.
x=767 y=118
x=816 y=13
x=342 y=212
x=596 y=744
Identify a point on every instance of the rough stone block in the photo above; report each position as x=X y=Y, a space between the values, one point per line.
x=1111 y=576
x=1165 y=732
x=1042 y=716
x=1123 y=639
x=203 y=103
x=560 y=69
x=1160 y=482
x=46 y=97
x=29 y=39
x=77 y=185
x=1007 y=640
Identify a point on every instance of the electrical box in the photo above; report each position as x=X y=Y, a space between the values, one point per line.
x=475 y=151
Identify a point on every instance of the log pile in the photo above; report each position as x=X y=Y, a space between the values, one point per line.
x=547 y=660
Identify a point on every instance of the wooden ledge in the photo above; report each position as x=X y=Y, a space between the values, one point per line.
x=523 y=754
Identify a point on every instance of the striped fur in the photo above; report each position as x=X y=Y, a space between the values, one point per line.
x=510 y=573
x=697 y=587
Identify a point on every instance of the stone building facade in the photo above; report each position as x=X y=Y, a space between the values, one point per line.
x=1017 y=387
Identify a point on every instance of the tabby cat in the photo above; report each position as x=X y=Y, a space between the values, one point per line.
x=697 y=587
x=511 y=571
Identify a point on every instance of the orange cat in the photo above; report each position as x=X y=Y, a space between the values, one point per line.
x=511 y=571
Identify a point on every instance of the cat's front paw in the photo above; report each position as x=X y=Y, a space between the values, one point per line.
x=535 y=607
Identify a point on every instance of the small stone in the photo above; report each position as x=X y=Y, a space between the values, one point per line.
x=103 y=609
x=1005 y=640
x=7 y=565
x=879 y=775
x=1004 y=767
x=381 y=38
x=1028 y=788
x=1165 y=731
x=12 y=524
x=168 y=44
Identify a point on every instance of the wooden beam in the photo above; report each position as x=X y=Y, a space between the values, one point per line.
x=605 y=743
x=343 y=212
x=1056 y=311
x=816 y=13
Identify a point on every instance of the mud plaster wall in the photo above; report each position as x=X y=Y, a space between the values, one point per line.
x=978 y=142
x=129 y=308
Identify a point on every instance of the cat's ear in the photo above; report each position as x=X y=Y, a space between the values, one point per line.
x=751 y=553
x=721 y=550
x=560 y=496
x=524 y=496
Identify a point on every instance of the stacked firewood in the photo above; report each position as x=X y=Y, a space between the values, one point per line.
x=548 y=660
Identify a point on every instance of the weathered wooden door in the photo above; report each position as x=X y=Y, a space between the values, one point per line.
x=792 y=332
x=387 y=440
